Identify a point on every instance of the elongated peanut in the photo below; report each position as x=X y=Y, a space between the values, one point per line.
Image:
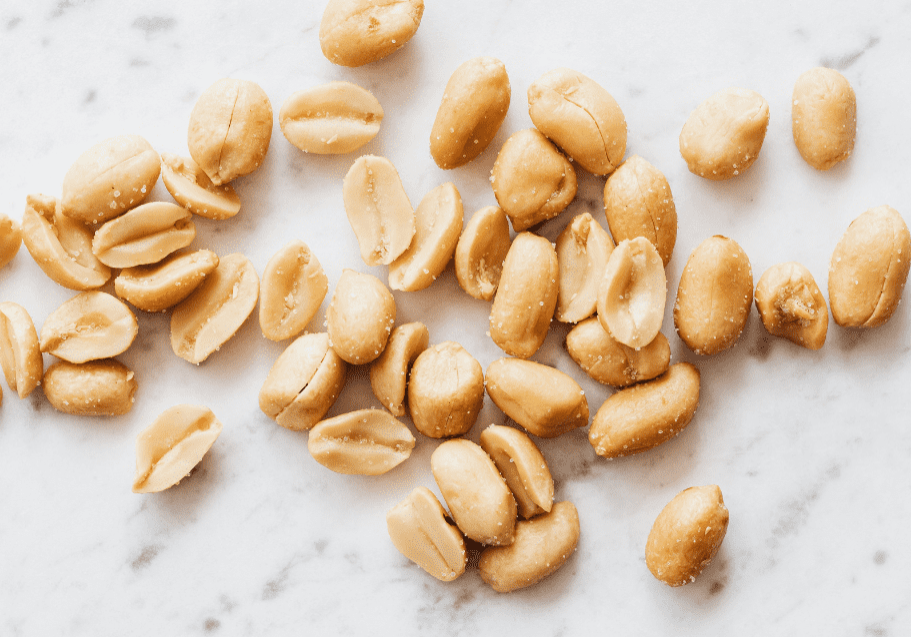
x=356 y=32
x=445 y=391
x=611 y=362
x=293 y=287
x=583 y=249
x=823 y=117
x=96 y=388
x=360 y=317
x=191 y=188
x=90 y=326
x=522 y=466
x=791 y=305
x=144 y=235
x=331 y=119
x=10 y=239
x=157 y=287
x=20 y=354
x=480 y=252
x=368 y=442
x=389 y=373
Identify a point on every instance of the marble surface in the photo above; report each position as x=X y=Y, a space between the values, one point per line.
x=811 y=449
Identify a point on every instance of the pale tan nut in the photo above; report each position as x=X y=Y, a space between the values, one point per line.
x=526 y=296
x=823 y=117
x=438 y=224
x=579 y=116
x=110 y=178
x=389 y=373
x=62 y=247
x=474 y=106
x=360 y=317
x=612 y=363
x=542 y=545
x=687 y=535
x=293 y=287
x=144 y=235
x=714 y=296
x=633 y=293
x=304 y=383
x=368 y=442
x=20 y=354
x=477 y=496
x=378 y=210
x=638 y=203
x=643 y=416
x=445 y=391
x=357 y=32
x=869 y=268
x=544 y=400
x=532 y=180
x=10 y=239
x=96 y=388
x=169 y=448
x=723 y=136
x=418 y=528
x=522 y=466
x=90 y=326
x=331 y=119
x=230 y=129
x=480 y=252
x=791 y=305
x=191 y=188
x=157 y=287
x=211 y=315
x=583 y=249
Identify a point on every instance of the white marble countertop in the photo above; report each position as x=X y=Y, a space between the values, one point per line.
x=812 y=450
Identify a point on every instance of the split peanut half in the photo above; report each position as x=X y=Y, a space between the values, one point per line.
x=144 y=235
x=583 y=249
x=157 y=287
x=480 y=252
x=10 y=239
x=522 y=466
x=368 y=442
x=331 y=119
x=389 y=373
x=90 y=326
x=293 y=287
x=20 y=354
x=191 y=188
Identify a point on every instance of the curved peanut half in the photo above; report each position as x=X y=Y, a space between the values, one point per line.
x=20 y=354
x=293 y=287
x=612 y=363
x=90 y=326
x=522 y=466
x=480 y=252
x=583 y=249
x=157 y=287
x=169 y=448
x=96 y=388
x=10 y=239
x=389 y=373
x=191 y=188
x=144 y=235
x=368 y=442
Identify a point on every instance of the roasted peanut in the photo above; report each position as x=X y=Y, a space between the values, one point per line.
x=389 y=373
x=356 y=32
x=445 y=391
x=522 y=466
x=686 y=535
x=869 y=268
x=96 y=388
x=10 y=239
x=360 y=317
x=169 y=448
x=20 y=354
x=331 y=119
x=191 y=188
x=157 y=287
x=293 y=287
x=368 y=442
x=714 y=296
x=613 y=363
x=90 y=326
x=480 y=252
x=643 y=416
x=583 y=249
x=823 y=117
x=474 y=106
x=790 y=305
x=144 y=235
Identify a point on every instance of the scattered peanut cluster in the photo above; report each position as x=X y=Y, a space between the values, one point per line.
x=615 y=294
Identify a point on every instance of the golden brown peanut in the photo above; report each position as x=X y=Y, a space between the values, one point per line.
x=723 y=136
x=61 y=246
x=209 y=317
x=438 y=224
x=90 y=326
x=477 y=496
x=157 y=287
x=686 y=535
x=144 y=235
x=474 y=106
x=526 y=297
x=714 y=296
x=10 y=239
x=643 y=416
x=304 y=383
x=191 y=188
x=418 y=528
x=360 y=317
x=583 y=249
x=823 y=117
x=230 y=129
x=869 y=268
x=542 y=399
x=542 y=545
x=110 y=178
x=293 y=287
x=378 y=210
x=96 y=388
x=331 y=119
x=532 y=180
x=445 y=391
x=356 y=32
x=633 y=293
x=580 y=117
x=368 y=442
x=169 y=448
x=480 y=252
x=612 y=363
x=522 y=466
x=638 y=203
x=790 y=305
x=389 y=373
x=20 y=354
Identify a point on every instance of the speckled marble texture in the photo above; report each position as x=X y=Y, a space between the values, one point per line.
x=812 y=450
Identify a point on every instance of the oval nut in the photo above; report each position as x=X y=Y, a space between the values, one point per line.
x=368 y=442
